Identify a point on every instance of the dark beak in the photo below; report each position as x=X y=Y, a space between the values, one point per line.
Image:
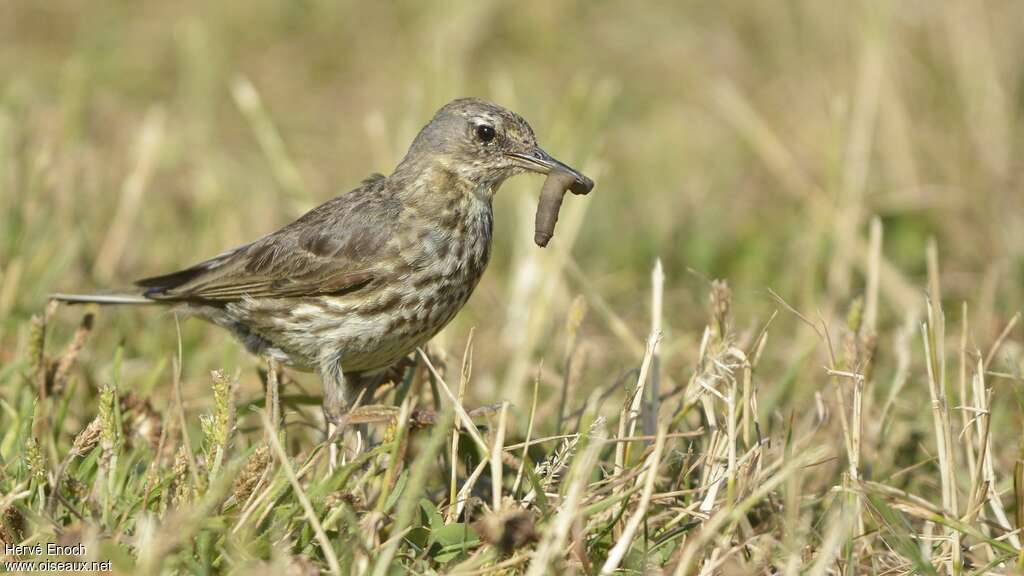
x=537 y=160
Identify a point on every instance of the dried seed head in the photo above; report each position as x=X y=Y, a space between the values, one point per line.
x=109 y=434
x=86 y=439
x=721 y=300
x=36 y=345
x=34 y=461
x=217 y=427
x=250 y=476
x=12 y=526
x=62 y=370
x=549 y=470
x=39 y=364
x=180 y=491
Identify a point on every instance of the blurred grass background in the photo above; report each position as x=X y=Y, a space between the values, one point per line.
x=751 y=141
x=747 y=141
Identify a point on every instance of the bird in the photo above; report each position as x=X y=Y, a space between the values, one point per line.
x=358 y=283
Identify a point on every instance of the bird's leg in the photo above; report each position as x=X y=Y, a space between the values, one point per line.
x=337 y=394
x=366 y=384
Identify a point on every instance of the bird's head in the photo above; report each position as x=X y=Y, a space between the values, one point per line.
x=482 y=143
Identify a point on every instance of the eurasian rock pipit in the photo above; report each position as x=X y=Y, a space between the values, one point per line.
x=356 y=284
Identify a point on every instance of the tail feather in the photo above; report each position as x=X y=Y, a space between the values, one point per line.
x=101 y=299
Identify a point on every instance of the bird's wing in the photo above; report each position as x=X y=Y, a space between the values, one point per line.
x=333 y=249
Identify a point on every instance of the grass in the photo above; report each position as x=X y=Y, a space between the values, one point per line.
x=845 y=399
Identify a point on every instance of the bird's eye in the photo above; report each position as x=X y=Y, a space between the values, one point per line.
x=485 y=133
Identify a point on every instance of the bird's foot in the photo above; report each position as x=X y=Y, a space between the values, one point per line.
x=341 y=418
x=336 y=423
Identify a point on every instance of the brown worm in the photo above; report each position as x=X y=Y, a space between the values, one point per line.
x=555 y=186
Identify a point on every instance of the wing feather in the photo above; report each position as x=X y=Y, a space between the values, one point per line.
x=335 y=248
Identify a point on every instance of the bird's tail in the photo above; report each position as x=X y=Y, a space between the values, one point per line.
x=101 y=299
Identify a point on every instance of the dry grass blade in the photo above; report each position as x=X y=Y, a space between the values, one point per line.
x=651 y=405
x=723 y=520
x=526 y=441
x=464 y=375
x=410 y=497
x=464 y=418
x=307 y=507
x=496 y=454
x=553 y=541
x=631 y=411
x=639 y=515
x=933 y=333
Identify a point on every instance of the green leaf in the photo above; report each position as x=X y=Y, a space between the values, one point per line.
x=397 y=491
x=452 y=541
x=11 y=436
x=457 y=533
x=431 y=516
x=418 y=537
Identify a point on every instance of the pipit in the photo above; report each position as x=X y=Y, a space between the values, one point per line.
x=358 y=283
